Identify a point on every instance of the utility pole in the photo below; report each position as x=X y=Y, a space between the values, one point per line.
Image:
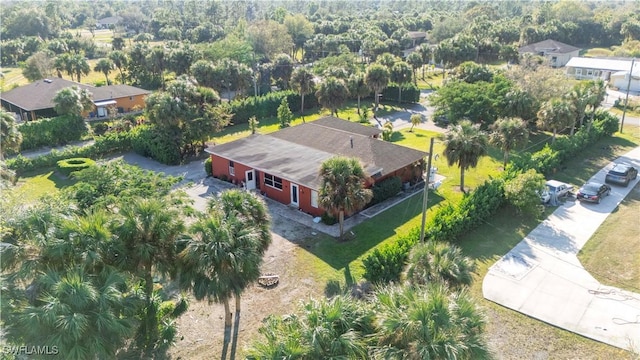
x=425 y=196
x=626 y=99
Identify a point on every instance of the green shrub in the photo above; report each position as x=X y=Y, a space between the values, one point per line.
x=267 y=105
x=207 y=167
x=410 y=93
x=67 y=166
x=385 y=264
x=56 y=131
x=147 y=141
x=386 y=189
x=329 y=219
x=100 y=128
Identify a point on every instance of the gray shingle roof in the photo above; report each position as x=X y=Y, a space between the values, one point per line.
x=548 y=46
x=39 y=94
x=296 y=153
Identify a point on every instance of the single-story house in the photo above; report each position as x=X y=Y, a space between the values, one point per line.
x=285 y=165
x=107 y=22
x=614 y=70
x=35 y=100
x=556 y=53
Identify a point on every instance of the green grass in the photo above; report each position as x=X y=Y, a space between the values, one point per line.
x=32 y=186
x=612 y=255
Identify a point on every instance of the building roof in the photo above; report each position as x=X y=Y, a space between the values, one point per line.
x=109 y=20
x=417 y=34
x=599 y=63
x=548 y=47
x=39 y=94
x=295 y=153
x=345 y=125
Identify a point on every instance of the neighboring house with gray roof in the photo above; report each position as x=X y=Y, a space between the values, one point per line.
x=35 y=100
x=556 y=53
x=614 y=70
x=106 y=23
x=285 y=165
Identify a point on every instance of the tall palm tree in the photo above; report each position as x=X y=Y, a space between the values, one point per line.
x=509 y=134
x=358 y=87
x=415 y=60
x=428 y=323
x=555 y=115
x=302 y=81
x=377 y=78
x=401 y=75
x=597 y=93
x=332 y=93
x=342 y=187
x=221 y=258
x=10 y=136
x=104 y=66
x=425 y=52
x=248 y=208
x=465 y=144
x=437 y=261
x=119 y=59
x=579 y=100
x=79 y=65
x=148 y=230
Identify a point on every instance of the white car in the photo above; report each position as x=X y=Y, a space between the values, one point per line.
x=556 y=189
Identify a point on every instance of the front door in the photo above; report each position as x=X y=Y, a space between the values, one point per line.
x=294 y=195
x=250 y=179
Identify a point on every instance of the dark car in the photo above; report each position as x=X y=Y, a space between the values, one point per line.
x=593 y=192
x=621 y=174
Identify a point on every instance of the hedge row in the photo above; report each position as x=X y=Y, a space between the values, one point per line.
x=265 y=106
x=55 y=131
x=104 y=145
x=450 y=221
x=386 y=189
x=410 y=93
x=547 y=160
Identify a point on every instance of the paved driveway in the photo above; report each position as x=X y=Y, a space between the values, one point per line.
x=543 y=278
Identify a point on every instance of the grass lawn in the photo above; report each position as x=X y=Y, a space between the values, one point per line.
x=612 y=255
x=32 y=186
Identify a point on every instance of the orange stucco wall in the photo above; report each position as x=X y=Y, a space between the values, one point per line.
x=129 y=104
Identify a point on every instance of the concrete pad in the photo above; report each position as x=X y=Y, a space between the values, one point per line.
x=543 y=278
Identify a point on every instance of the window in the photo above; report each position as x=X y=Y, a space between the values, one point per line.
x=579 y=72
x=131 y=98
x=232 y=170
x=589 y=72
x=273 y=181
x=314 y=198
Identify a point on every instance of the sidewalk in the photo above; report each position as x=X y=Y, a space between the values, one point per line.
x=543 y=278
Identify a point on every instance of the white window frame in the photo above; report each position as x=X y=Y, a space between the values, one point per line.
x=590 y=72
x=314 y=199
x=232 y=170
x=578 y=72
x=273 y=181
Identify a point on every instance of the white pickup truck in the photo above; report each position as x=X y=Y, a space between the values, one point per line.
x=556 y=187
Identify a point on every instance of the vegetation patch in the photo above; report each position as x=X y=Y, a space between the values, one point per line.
x=67 y=166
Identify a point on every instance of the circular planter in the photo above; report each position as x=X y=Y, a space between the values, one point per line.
x=67 y=166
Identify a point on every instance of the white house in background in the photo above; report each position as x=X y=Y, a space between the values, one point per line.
x=615 y=71
x=556 y=53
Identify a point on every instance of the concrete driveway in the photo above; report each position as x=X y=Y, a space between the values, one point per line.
x=543 y=278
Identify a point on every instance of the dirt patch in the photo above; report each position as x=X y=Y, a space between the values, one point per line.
x=201 y=328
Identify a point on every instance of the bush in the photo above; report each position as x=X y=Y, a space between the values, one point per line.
x=56 y=131
x=329 y=219
x=67 y=166
x=148 y=141
x=207 y=167
x=410 y=93
x=385 y=264
x=265 y=106
x=100 y=128
x=386 y=189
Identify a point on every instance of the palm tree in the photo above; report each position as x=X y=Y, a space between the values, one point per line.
x=221 y=258
x=79 y=66
x=436 y=261
x=72 y=101
x=342 y=187
x=425 y=52
x=332 y=93
x=148 y=231
x=579 y=100
x=555 y=115
x=337 y=328
x=302 y=81
x=416 y=119
x=63 y=63
x=119 y=59
x=428 y=323
x=387 y=59
x=358 y=87
x=400 y=74
x=415 y=60
x=509 y=134
x=464 y=145
x=104 y=66
x=377 y=78
x=10 y=136
x=597 y=93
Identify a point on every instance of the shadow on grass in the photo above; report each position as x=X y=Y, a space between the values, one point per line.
x=368 y=234
x=396 y=136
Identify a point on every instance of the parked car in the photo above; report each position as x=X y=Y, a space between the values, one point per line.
x=621 y=174
x=544 y=196
x=558 y=187
x=593 y=192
